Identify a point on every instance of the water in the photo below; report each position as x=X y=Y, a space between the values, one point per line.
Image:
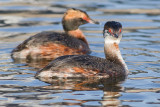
x=140 y=48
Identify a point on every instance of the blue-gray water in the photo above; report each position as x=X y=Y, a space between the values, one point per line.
x=140 y=47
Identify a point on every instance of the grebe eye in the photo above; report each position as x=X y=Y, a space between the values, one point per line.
x=110 y=31
x=120 y=30
x=85 y=18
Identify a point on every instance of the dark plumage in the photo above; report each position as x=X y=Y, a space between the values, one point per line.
x=87 y=62
x=113 y=25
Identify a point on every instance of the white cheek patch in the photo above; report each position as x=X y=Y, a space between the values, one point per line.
x=111 y=40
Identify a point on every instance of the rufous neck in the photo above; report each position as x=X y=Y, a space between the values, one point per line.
x=113 y=54
x=77 y=34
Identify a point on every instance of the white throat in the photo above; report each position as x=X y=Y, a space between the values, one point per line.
x=111 y=49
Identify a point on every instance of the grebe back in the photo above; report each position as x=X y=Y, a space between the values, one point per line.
x=50 y=45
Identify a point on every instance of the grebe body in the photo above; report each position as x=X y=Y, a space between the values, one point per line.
x=90 y=66
x=50 y=45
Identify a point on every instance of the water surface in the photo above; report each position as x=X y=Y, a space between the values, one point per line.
x=140 y=47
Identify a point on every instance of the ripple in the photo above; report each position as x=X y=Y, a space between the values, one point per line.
x=21 y=19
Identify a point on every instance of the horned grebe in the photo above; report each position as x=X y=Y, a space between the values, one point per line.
x=50 y=45
x=91 y=66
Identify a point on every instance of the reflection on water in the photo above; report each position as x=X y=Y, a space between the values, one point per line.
x=82 y=87
x=140 y=48
x=83 y=83
x=33 y=63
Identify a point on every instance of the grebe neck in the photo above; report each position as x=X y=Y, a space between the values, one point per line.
x=77 y=34
x=113 y=54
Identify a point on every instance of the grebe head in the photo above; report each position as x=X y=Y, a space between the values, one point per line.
x=112 y=32
x=73 y=18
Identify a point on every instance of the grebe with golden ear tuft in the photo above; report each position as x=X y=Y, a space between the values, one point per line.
x=50 y=45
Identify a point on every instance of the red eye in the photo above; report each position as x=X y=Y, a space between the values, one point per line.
x=110 y=30
x=85 y=18
x=120 y=30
